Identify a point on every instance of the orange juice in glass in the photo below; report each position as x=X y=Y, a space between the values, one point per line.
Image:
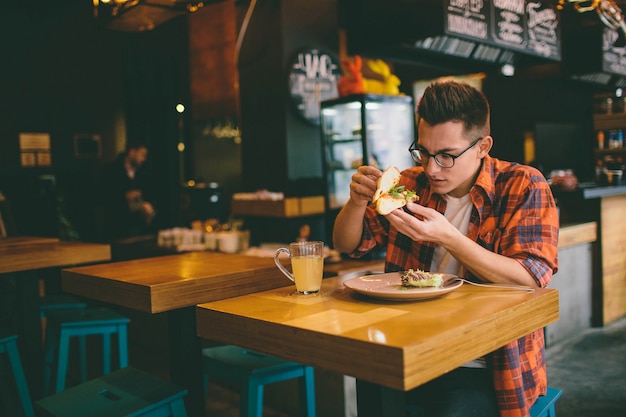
x=307 y=263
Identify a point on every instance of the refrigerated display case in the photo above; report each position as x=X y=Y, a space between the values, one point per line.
x=377 y=129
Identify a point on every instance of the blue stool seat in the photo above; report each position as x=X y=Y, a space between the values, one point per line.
x=65 y=324
x=59 y=302
x=127 y=392
x=8 y=345
x=545 y=405
x=252 y=371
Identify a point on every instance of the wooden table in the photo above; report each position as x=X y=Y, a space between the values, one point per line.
x=23 y=255
x=175 y=284
x=390 y=347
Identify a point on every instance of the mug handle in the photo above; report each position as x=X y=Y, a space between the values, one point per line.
x=280 y=265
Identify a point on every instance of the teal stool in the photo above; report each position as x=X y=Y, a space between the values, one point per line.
x=59 y=302
x=127 y=392
x=252 y=371
x=545 y=405
x=65 y=302
x=8 y=345
x=65 y=324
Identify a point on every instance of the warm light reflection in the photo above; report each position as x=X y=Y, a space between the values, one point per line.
x=191 y=183
x=180 y=108
x=376 y=335
x=181 y=147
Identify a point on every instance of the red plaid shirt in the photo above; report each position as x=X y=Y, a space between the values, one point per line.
x=514 y=215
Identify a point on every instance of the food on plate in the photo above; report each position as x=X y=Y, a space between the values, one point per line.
x=419 y=278
x=389 y=195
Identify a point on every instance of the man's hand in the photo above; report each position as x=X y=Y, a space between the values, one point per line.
x=148 y=212
x=429 y=225
x=348 y=226
x=363 y=185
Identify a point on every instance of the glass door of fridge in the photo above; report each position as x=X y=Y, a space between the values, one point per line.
x=343 y=148
x=377 y=129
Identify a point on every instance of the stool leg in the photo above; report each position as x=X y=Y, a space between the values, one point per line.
x=306 y=386
x=51 y=343
x=552 y=411
x=106 y=353
x=251 y=401
x=20 y=380
x=64 y=347
x=82 y=356
x=122 y=345
x=177 y=408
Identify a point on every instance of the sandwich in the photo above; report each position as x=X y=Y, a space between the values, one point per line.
x=389 y=195
x=419 y=278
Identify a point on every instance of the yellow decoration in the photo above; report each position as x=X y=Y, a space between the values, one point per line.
x=374 y=78
x=383 y=81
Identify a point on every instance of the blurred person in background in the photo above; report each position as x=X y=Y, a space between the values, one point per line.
x=123 y=195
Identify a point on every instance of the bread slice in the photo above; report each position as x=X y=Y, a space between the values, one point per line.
x=388 y=197
x=390 y=177
x=385 y=206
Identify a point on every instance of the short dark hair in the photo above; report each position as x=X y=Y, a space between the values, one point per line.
x=135 y=144
x=451 y=101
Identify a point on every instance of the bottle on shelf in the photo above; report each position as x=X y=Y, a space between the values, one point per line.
x=600 y=138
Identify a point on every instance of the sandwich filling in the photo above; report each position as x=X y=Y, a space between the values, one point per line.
x=419 y=278
x=389 y=194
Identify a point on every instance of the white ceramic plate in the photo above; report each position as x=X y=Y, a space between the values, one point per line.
x=389 y=287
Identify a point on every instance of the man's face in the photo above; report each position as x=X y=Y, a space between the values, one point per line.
x=449 y=137
x=138 y=156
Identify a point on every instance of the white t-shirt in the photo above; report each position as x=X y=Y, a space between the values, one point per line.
x=458 y=211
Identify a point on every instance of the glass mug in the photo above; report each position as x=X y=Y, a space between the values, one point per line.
x=307 y=263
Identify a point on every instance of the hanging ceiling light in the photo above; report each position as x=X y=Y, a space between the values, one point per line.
x=142 y=15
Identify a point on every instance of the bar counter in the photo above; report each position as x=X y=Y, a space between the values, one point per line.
x=605 y=205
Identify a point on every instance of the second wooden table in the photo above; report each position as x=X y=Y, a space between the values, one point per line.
x=175 y=284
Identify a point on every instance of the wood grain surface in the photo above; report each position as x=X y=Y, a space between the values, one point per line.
x=613 y=258
x=395 y=344
x=577 y=234
x=31 y=253
x=170 y=282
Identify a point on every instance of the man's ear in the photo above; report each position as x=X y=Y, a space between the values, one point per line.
x=484 y=146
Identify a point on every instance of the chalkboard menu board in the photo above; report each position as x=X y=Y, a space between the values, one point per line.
x=527 y=26
x=613 y=57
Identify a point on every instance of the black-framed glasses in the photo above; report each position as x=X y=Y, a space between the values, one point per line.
x=443 y=159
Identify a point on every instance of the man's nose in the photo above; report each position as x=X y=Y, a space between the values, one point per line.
x=431 y=165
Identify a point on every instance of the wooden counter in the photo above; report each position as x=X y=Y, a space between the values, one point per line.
x=613 y=252
x=607 y=207
x=577 y=234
